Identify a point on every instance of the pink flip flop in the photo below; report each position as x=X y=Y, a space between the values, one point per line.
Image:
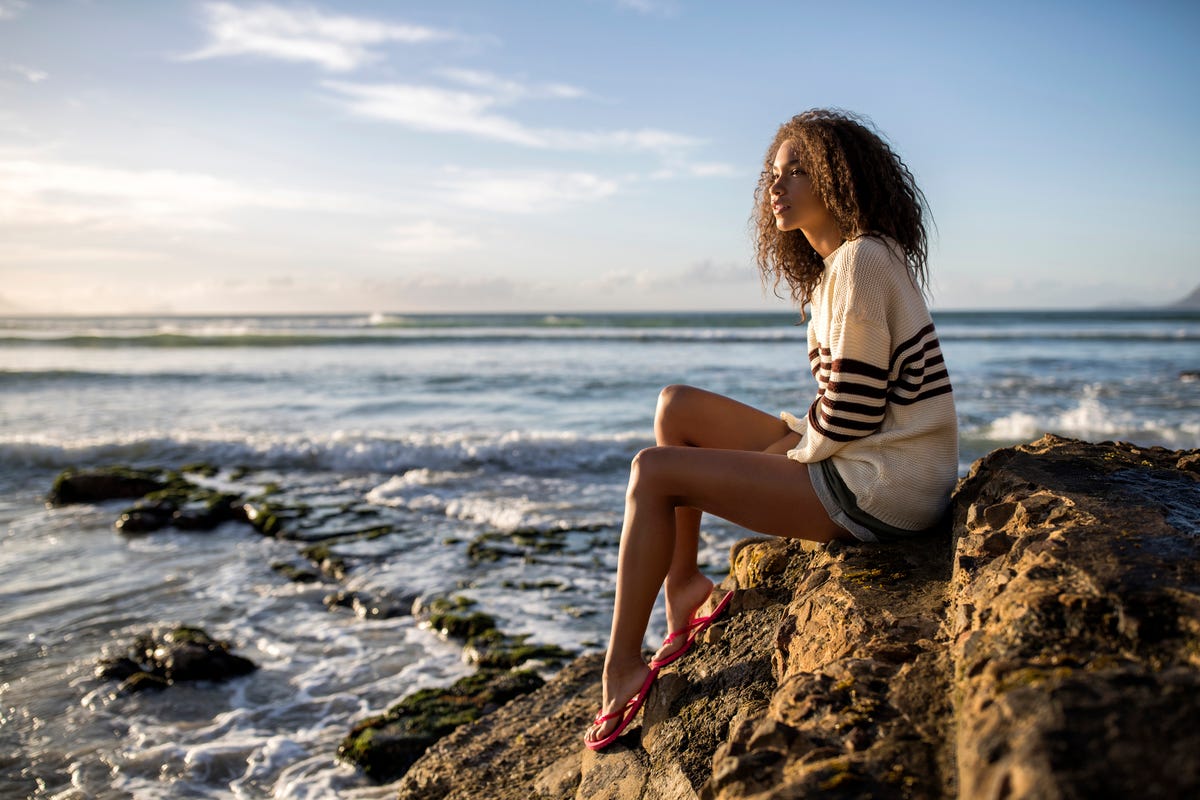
x=626 y=714
x=691 y=631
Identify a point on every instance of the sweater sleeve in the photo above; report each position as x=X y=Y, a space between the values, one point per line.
x=851 y=366
x=800 y=424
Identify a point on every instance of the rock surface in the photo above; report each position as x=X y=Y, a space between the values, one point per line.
x=1049 y=647
x=158 y=659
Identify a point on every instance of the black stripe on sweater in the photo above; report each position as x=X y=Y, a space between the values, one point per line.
x=838 y=407
x=925 y=394
x=815 y=423
x=850 y=366
x=926 y=380
x=911 y=342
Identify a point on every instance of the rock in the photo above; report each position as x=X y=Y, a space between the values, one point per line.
x=97 y=485
x=385 y=746
x=1077 y=649
x=495 y=649
x=331 y=565
x=160 y=658
x=519 y=748
x=190 y=654
x=1048 y=647
x=142 y=681
x=263 y=517
x=295 y=573
x=146 y=517
x=183 y=506
x=371 y=605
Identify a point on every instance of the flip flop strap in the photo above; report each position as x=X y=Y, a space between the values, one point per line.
x=687 y=629
x=600 y=720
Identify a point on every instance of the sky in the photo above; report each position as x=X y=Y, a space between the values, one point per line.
x=576 y=155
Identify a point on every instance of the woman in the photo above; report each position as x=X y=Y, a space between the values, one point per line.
x=841 y=221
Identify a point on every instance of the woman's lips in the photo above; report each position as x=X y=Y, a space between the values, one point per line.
x=779 y=208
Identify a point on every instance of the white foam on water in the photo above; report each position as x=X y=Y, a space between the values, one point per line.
x=1092 y=419
x=340 y=451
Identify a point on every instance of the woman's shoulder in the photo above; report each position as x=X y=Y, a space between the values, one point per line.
x=872 y=248
x=872 y=258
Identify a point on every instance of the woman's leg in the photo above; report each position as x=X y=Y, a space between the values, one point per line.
x=692 y=417
x=768 y=493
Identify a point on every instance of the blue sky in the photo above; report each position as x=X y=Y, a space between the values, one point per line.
x=227 y=157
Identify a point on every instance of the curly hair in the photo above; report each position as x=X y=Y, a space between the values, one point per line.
x=860 y=180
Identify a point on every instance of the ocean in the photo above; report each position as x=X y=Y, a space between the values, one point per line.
x=455 y=433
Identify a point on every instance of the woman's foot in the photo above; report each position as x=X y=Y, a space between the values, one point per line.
x=624 y=692
x=683 y=603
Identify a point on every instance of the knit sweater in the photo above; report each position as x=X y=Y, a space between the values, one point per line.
x=884 y=411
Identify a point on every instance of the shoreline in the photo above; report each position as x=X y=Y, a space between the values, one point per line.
x=186 y=499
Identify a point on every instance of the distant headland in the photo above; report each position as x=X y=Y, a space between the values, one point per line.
x=1191 y=301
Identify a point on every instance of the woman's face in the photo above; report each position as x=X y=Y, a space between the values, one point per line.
x=793 y=201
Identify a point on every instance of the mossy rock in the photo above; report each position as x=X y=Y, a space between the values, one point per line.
x=202 y=468
x=263 y=517
x=294 y=573
x=142 y=681
x=463 y=627
x=323 y=557
x=180 y=505
x=107 y=483
x=495 y=649
x=184 y=653
x=385 y=746
x=441 y=605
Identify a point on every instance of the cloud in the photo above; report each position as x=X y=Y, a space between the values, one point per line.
x=55 y=192
x=510 y=90
x=336 y=43
x=696 y=170
x=699 y=275
x=427 y=238
x=10 y=9
x=472 y=111
x=29 y=73
x=521 y=192
x=436 y=290
x=664 y=8
x=436 y=110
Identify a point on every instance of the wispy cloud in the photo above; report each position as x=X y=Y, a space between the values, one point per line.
x=521 y=192
x=507 y=90
x=426 y=108
x=337 y=43
x=55 y=192
x=472 y=111
x=662 y=8
x=10 y=9
x=465 y=101
x=706 y=273
x=426 y=238
x=29 y=73
x=700 y=169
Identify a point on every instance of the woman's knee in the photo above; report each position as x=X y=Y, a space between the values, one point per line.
x=647 y=468
x=674 y=404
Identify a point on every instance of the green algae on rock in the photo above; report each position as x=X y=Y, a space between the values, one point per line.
x=108 y=483
x=385 y=746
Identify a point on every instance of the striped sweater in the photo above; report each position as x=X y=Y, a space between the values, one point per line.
x=884 y=411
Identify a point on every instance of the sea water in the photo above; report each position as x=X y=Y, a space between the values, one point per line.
x=448 y=427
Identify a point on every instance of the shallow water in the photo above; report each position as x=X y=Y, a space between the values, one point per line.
x=507 y=430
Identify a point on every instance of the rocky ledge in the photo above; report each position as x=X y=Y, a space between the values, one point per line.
x=1048 y=647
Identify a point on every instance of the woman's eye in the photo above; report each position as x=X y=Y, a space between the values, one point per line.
x=796 y=173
